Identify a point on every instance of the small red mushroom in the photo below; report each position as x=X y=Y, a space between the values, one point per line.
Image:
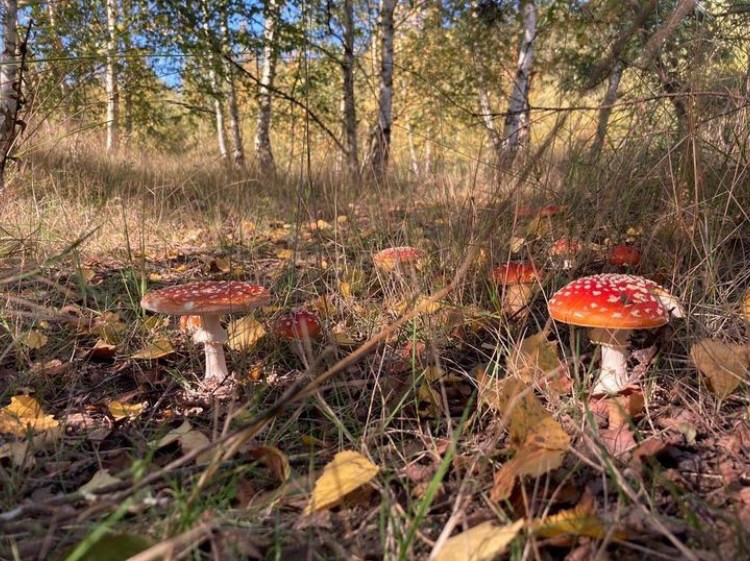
x=393 y=257
x=624 y=255
x=517 y=279
x=566 y=249
x=297 y=325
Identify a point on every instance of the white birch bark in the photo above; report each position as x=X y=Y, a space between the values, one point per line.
x=213 y=78
x=263 y=151
x=516 y=119
x=349 y=108
x=8 y=82
x=610 y=97
x=380 y=143
x=238 y=150
x=113 y=94
x=412 y=150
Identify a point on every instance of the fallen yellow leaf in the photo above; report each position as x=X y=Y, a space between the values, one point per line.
x=24 y=413
x=158 y=349
x=347 y=471
x=244 y=333
x=534 y=358
x=32 y=339
x=120 y=410
x=725 y=365
x=285 y=254
x=480 y=543
x=19 y=453
x=578 y=521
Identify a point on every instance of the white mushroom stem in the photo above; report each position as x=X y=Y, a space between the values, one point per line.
x=613 y=374
x=517 y=296
x=213 y=336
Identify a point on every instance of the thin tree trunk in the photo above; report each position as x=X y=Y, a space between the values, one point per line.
x=113 y=95
x=380 y=143
x=52 y=24
x=126 y=93
x=347 y=65
x=518 y=105
x=412 y=150
x=8 y=83
x=213 y=77
x=238 y=150
x=263 y=152
x=610 y=97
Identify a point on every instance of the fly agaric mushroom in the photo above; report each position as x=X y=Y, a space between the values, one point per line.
x=393 y=257
x=612 y=306
x=298 y=328
x=624 y=255
x=297 y=325
x=565 y=249
x=517 y=279
x=208 y=300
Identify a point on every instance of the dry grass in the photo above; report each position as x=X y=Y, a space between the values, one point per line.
x=153 y=218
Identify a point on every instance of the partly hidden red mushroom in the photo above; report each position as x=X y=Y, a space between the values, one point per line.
x=396 y=257
x=612 y=306
x=208 y=300
x=517 y=279
x=624 y=255
x=297 y=325
x=565 y=249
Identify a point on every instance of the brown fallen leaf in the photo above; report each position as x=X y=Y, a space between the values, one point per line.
x=543 y=450
x=483 y=542
x=623 y=408
x=535 y=358
x=618 y=440
x=724 y=365
x=276 y=461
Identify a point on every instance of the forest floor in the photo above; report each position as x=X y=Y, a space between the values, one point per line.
x=457 y=414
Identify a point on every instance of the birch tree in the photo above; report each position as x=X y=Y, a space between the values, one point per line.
x=238 y=151
x=263 y=151
x=516 y=128
x=349 y=109
x=214 y=64
x=8 y=82
x=113 y=94
x=380 y=140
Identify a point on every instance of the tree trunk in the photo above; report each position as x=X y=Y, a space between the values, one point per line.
x=238 y=151
x=610 y=97
x=347 y=66
x=213 y=78
x=113 y=94
x=263 y=152
x=412 y=150
x=8 y=83
x=380 y=142
x=516 y=119
x=126 y=93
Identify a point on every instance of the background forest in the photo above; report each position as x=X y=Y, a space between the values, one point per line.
x=427 y=410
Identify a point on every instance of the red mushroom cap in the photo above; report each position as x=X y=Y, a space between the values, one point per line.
x=297 y=325
x=609 y=301
x=526 y=211
x=206 y=297
x=515 y=272
x=392 y=256
x=565 y=246
x=550 y=210
x=623 y=254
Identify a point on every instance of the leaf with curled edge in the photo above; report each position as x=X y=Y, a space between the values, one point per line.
x=543 y=450
x=24 y=413
x=724 y=365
